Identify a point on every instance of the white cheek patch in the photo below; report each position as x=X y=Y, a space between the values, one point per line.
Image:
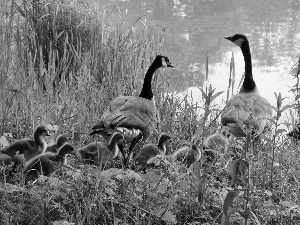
x=153 y=101
x=163 y=63
x=239 y=42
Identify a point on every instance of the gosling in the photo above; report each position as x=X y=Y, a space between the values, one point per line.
x=100 y=152
x=46 y=164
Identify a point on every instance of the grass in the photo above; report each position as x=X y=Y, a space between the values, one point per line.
x=61 y=64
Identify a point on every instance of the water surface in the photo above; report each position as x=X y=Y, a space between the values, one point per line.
x=195 y=29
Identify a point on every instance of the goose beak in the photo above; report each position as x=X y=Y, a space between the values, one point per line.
x=228 y=38
x=169 y=65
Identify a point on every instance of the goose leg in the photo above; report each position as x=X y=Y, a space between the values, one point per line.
x=121 y=148
x=133 y=144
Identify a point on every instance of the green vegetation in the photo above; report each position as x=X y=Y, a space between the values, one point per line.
x=61 y=64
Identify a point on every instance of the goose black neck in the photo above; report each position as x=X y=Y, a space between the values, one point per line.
x=248 y=84
x=147 y=90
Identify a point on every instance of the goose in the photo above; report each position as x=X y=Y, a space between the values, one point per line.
x=47 y=163
x=61 y=139
x=100 y=152
x=151 y=150
x=218 y=140
x=134 y=116
x=28 y=146
x=190 y=154
x=247 y=112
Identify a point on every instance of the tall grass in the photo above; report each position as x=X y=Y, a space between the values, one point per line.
x=63 y=62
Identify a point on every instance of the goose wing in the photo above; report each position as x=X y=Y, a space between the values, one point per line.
x=129 y=112
x=20 y=146
x=247 y=112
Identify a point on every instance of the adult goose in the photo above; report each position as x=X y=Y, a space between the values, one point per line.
x=61 y=139
x=46 y=164
x=247 y=112
x=151 y=150
x=134 y=116
x=98 y=153
x=28 y=147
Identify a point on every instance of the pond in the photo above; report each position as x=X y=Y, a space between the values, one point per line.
x=195 y=29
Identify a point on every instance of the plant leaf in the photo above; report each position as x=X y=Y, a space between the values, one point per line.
x=204 y=95
x=233 y=171
x=255 y=217
x=243 y=167
x=286 y=107
x=162 y=188
x=225 y=219
x=216 y=95
x=3 y=142
x=228 y=200
x=169 y=217
x=201 y=191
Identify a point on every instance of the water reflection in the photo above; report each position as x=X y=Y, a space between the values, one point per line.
x=195 y=29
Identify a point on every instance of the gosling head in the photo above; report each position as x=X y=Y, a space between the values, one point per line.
x=237 y=39
x=165 y=137
x=162 y=61
x=42 y=131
